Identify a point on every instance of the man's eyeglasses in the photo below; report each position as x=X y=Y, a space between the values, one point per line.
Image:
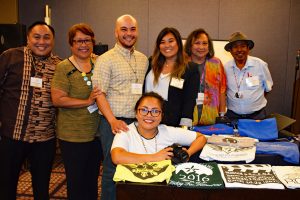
x=80 y=42
x=153 y=112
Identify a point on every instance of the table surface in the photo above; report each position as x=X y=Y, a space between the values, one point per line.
x=139 y=191
x=161 y=191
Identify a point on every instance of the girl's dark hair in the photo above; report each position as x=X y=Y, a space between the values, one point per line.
x=83 y=28
x=158 y=59
x=152 y=95
x=191 y=39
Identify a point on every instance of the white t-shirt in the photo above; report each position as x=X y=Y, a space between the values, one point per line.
x=131 y=140
x=161 y=88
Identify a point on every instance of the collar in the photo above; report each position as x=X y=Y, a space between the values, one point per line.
x=125 y=52
x=249 y=63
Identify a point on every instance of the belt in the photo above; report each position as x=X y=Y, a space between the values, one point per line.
x=125 y=118
x=249 y=115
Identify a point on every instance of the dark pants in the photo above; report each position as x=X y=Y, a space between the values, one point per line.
x=82 y=164
x=257 y=115
x=108 y=191
x=40 y=156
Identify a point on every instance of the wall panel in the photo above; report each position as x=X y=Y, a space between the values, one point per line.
x=272 y=24
x=183 y=15
x=9 y=12
x=266 y=22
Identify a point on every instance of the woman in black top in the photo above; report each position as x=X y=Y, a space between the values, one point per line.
x=173 y=78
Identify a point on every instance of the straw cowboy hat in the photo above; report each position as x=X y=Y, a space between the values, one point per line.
x=238 y=36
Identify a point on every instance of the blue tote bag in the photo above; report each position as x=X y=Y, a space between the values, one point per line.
x=262 y=130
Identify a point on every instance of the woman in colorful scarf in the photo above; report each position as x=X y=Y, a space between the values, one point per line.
x=211 y=99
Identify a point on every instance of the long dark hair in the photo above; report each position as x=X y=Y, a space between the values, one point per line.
x=191 y=39
x=158 y=59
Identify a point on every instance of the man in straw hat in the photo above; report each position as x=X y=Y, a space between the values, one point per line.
x=248 y=80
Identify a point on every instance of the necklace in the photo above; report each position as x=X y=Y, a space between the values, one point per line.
x=84 y=74
x=142 y=139
x=167 y=68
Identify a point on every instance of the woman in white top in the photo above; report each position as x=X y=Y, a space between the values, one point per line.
x=172 y=77
x=147 y=140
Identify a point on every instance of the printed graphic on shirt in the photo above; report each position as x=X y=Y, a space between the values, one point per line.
x=197 y=175
x=249 y=176
x=146 y=170
x=288 y=175
x=227 y=153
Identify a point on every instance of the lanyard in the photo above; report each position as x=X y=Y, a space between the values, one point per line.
x=238 y=84
x=202 y=79
x=134 y=69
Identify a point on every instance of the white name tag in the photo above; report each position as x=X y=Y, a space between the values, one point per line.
x=92 y=108
x=36 y=82
x=252 y=81
x=200 y=98
x=136 y=88
x=178 y=83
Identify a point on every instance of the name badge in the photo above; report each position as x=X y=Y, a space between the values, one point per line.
x=136 y=88
x=178 y=83
x=252 y=81
x=36 y=82
x=92 y=108
x=200 y=98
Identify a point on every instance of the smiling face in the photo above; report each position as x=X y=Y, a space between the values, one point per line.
x=40 y=40
x=82 y=46
x=200 y=48
x=240 y=52
x=126 y=31
x=148 y=123
x=168 y=46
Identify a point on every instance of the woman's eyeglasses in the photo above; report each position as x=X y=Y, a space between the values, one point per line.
x=80 y=42
x=153 y=112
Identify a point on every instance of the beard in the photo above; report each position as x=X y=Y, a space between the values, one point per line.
x=125 y=43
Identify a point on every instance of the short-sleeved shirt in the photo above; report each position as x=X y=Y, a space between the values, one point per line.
x=131 y=140
x=74 y=124
x=252 y=97
x=115 y=72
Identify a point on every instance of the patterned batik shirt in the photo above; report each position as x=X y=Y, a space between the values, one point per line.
x=26 y=112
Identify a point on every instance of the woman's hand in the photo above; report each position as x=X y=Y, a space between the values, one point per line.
x=93 y=95
x=164 y=154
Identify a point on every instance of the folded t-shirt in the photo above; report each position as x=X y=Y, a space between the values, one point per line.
x=289 y=150
x=197 y=175
x=150 y=172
